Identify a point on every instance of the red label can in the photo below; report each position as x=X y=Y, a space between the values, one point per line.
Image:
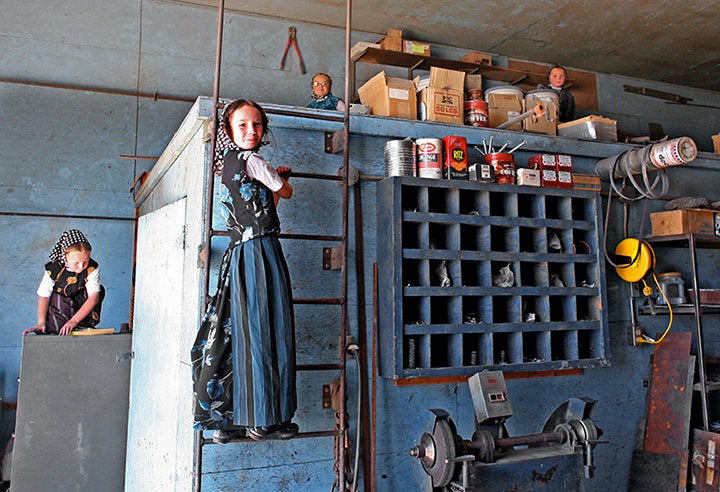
x=455 y=157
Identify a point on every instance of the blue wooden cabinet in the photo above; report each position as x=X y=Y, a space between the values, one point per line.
x=441 y=244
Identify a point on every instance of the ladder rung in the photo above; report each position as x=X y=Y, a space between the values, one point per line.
x=318 y=367
x=300 y=435
x=318 y=301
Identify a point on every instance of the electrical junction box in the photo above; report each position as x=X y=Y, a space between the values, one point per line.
x=489 y=396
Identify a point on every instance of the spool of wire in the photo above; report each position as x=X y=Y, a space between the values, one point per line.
x=400 y=157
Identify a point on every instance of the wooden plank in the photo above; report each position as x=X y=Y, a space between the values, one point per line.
x=667 y=430
x=583 y=84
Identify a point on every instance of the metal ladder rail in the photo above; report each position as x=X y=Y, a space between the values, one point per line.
x=200 y=439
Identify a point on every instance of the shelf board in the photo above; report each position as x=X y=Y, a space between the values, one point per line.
x=679 y=309
x=420 y=62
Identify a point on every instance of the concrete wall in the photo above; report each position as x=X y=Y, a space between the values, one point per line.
x=86 y=83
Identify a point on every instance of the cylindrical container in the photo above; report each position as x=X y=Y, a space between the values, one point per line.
x=473 y=94
x=673 y=152
x=505 y=89
x=476 y=113
x=548 y=98
x=400 y=158
x=504 y=165
x=673 y=286
x=429 y=157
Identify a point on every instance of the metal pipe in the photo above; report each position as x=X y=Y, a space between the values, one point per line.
x=373 y=417
x=542 y=438
x=362 y=325
x=210 y=177
x=64 y=216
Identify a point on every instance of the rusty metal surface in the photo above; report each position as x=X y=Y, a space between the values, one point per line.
x=668 y=421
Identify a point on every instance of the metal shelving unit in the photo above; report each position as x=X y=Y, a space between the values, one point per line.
x=693 y=242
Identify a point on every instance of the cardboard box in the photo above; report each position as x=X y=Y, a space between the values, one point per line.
x=688 y=221
x=590 y=128
x=546 y=124
x=478 y=58
x=589 y=182
x=528 y=177
x=443 y=99
x=503 y=107
x=415 y=47
x=393 y=40
x=547 y=166
x=360 y=47
x=389 y=96
x=563 y=165
x=473 y=82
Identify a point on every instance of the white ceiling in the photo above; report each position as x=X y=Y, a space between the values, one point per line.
x=669 y=41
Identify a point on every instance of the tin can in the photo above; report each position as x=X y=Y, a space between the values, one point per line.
x=455 y=157
x=429 y=157
x=504 y=165
x=477 y=113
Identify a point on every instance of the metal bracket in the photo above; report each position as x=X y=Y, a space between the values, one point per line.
x=326 y=396
x=332 y=258
x=334 y=142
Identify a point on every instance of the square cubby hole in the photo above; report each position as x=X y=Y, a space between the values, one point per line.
x=473 y=202
x=472 y=350
x=499 y=207
x=474 y=237
x=506 y=309
x=504 y=238
x=587 y=308
x=558 y=207
x=440 y=236
x=586 y=275
x=532 y=274
x=411 y=351
x=500 y=348
x=562 y=308
x=415 y=273
x=535 y=309
x=440 y=310
x=415 y=311
x=531 y=206
x=414 y=235
x=442 y=200
x=412 y=198
x=536 y=346
x=474 y=273
x=476 y=309
x=589 y=344
x=583 y=209
x=439 y=350
x=532 y=240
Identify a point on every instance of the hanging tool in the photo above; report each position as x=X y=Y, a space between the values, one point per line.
x=535 y=113
x=292 y=40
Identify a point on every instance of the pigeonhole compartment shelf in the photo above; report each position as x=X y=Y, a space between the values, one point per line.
x=482 y=275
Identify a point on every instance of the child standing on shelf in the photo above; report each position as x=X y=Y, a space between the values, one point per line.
x=70 y=295
x=244 y=354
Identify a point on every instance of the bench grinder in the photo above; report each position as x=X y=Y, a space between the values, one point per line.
x=560 y=457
